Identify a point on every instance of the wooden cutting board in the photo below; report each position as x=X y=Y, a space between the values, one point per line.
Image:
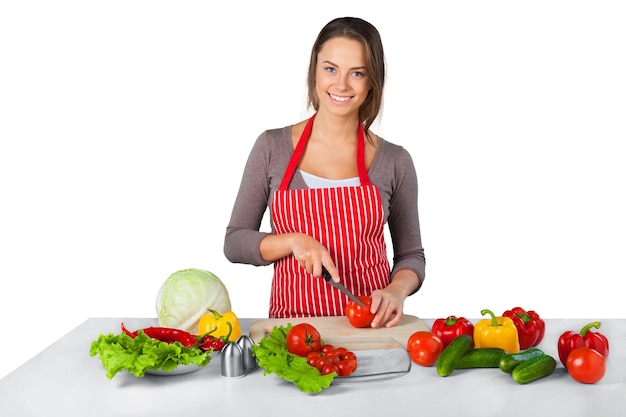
x=340 y=327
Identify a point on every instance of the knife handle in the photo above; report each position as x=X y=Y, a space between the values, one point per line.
x=326 y=274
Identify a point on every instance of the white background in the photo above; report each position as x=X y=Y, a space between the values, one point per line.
x=125 y=125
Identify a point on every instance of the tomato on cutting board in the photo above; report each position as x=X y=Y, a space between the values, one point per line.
x=360 y=316
x=303 y=339
x=424 y=347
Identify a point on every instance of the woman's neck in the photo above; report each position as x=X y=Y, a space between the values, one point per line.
x=329 y=127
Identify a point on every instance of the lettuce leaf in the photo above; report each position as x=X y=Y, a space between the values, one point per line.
x=137 y=355
x=272 y=355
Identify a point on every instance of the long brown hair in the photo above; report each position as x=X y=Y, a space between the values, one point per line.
x=366 y=34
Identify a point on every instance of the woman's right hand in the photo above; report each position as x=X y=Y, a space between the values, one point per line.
x=311 y=255
x=309 y=252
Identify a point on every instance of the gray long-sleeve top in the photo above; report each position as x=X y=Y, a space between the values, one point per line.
x=392 y=171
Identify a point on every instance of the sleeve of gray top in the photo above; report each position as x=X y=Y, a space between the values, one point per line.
x=243 y=238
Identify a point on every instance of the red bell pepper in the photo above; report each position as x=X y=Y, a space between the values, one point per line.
x=451 y=327
x=530 y=327
x=586 y=338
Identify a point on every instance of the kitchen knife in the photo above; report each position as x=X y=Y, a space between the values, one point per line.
x=340 y=287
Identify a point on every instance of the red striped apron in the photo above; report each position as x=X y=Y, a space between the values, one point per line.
x=348 y=221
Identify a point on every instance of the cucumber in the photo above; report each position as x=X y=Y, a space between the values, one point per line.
x=446 y=362
x=488 y=357
x=511 y=360
x=534 y=368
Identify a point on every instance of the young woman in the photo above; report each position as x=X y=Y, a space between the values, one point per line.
x=331 y=185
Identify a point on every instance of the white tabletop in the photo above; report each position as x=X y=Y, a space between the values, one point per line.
x=63 y=380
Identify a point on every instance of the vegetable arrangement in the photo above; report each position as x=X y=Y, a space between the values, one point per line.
x=509 y=342
x=298 y=354
x=155 y=348
x=584 y=354
x=138 y=352
x=523 y=367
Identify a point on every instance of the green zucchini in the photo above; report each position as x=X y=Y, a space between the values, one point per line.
x=534 y=368
x=446 y=362
x=488 y=357
x=511 y=360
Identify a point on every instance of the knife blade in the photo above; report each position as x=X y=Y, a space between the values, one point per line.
x=340 y=287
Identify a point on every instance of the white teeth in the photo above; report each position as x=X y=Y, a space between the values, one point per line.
x=337 y=98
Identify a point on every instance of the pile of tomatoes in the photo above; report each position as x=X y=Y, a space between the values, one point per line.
x=304 y=340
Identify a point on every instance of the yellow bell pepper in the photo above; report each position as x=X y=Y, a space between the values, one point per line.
x=221 y=326
x=498 y=332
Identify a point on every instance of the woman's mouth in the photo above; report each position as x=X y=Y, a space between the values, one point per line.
x=339 y=99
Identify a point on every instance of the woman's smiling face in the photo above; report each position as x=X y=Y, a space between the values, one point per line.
x=341 y=82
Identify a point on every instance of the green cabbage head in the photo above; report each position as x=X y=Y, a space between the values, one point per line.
x=186 y=295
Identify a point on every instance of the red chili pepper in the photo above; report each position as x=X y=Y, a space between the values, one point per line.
x=128 y=332
x=166 y=334
x=586 y=338
x=451 y=327
x=209 y=342
x=530 y=327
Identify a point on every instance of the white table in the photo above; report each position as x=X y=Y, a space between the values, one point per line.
x=63 y=380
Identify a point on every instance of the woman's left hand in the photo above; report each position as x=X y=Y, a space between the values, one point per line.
x=387 y=305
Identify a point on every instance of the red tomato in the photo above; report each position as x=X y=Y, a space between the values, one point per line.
x=322 y=362
x=586 y=365
x=360 y=316
x=312 y=358
x=341 y=351
x=329 y=369
x=348 y=355
x=333 y=357
x=327 y=348
x=344 y=367
x=303 y=339
x=352 y=362
x=424 y=347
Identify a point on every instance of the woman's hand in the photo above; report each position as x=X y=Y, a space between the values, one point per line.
x=388 y=303
x=309 y=252
x=311 y=255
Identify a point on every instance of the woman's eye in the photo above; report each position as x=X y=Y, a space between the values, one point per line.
x=358 y=74
x=330 y=69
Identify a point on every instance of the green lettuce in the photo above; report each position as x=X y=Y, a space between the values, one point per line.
x=272 y=355
x=142 y=353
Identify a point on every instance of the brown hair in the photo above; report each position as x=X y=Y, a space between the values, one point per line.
x=365 y=33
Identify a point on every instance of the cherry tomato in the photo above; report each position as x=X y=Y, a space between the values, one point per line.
x=340 y=351
x=327 y=348
x=312 y=358
x=344 y=367
x=360 y=316
x=424 y=347
x=348 y=355
x=352 y=362
x=586 y=365
x=303 y=339
x=333 y=357
x=329 y=369
x=322 y=362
